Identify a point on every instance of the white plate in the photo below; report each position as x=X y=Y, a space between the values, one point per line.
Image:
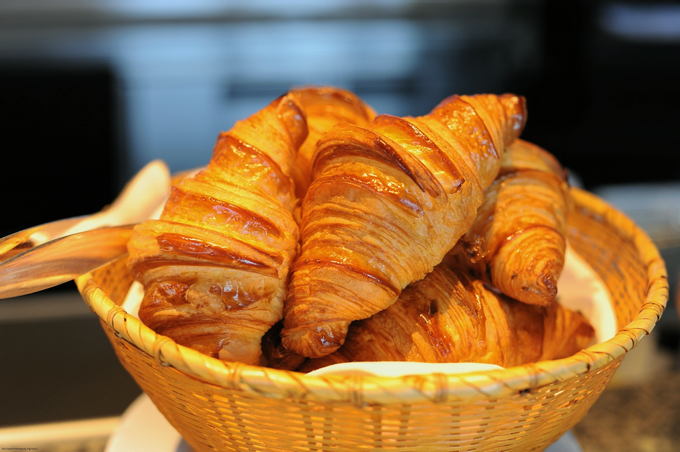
x=144 y=429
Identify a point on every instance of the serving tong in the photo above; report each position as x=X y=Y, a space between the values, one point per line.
x=53 y=253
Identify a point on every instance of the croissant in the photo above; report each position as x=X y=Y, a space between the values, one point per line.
x=385 y=204
x=215 y=265
x=518 y=239
x=324 y=107
x=450 y=316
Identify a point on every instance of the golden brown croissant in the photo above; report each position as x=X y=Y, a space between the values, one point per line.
x=385 y=204
x=324 y=107
x=215 y=265
x=451 y=316
x=518 y=239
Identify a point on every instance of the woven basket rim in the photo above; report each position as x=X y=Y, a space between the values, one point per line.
x=427 y=388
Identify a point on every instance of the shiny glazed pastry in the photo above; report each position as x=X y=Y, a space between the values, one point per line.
x=518 y=239
x=385 y=204
x=215 y=266
x=450 y=316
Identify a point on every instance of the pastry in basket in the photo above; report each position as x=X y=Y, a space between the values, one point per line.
x=324 y=107
x=215 y=266
x=385 y=205
x=518 y=239
x=450 y=316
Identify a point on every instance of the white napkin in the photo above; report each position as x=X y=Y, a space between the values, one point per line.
x=581 y=289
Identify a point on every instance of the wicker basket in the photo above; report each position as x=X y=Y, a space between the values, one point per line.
x=229 y=406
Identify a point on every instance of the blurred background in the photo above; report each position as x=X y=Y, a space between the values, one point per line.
x=90 y=91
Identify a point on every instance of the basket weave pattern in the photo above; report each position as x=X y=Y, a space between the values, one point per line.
x=229 y=406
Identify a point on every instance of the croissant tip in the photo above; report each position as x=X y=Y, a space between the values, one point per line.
x=543 y=290
x=315 y=341
x=549 y=283
x=516 y=108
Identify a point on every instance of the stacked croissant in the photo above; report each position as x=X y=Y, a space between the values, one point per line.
x=322 y=233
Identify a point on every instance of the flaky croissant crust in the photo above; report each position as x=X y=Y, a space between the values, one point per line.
x=450 y=316
x=517 y=241
x=215 y=265
x=385 y=199
x=386 y=203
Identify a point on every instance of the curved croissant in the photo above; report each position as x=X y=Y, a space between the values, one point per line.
x=452 y=317
x=386 y=203
x=215 y=265
x=518 y=239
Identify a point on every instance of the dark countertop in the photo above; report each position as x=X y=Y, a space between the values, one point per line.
x=642 y=417
x=639 y=411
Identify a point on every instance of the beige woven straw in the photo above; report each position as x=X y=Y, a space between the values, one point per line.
x=229 y=406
